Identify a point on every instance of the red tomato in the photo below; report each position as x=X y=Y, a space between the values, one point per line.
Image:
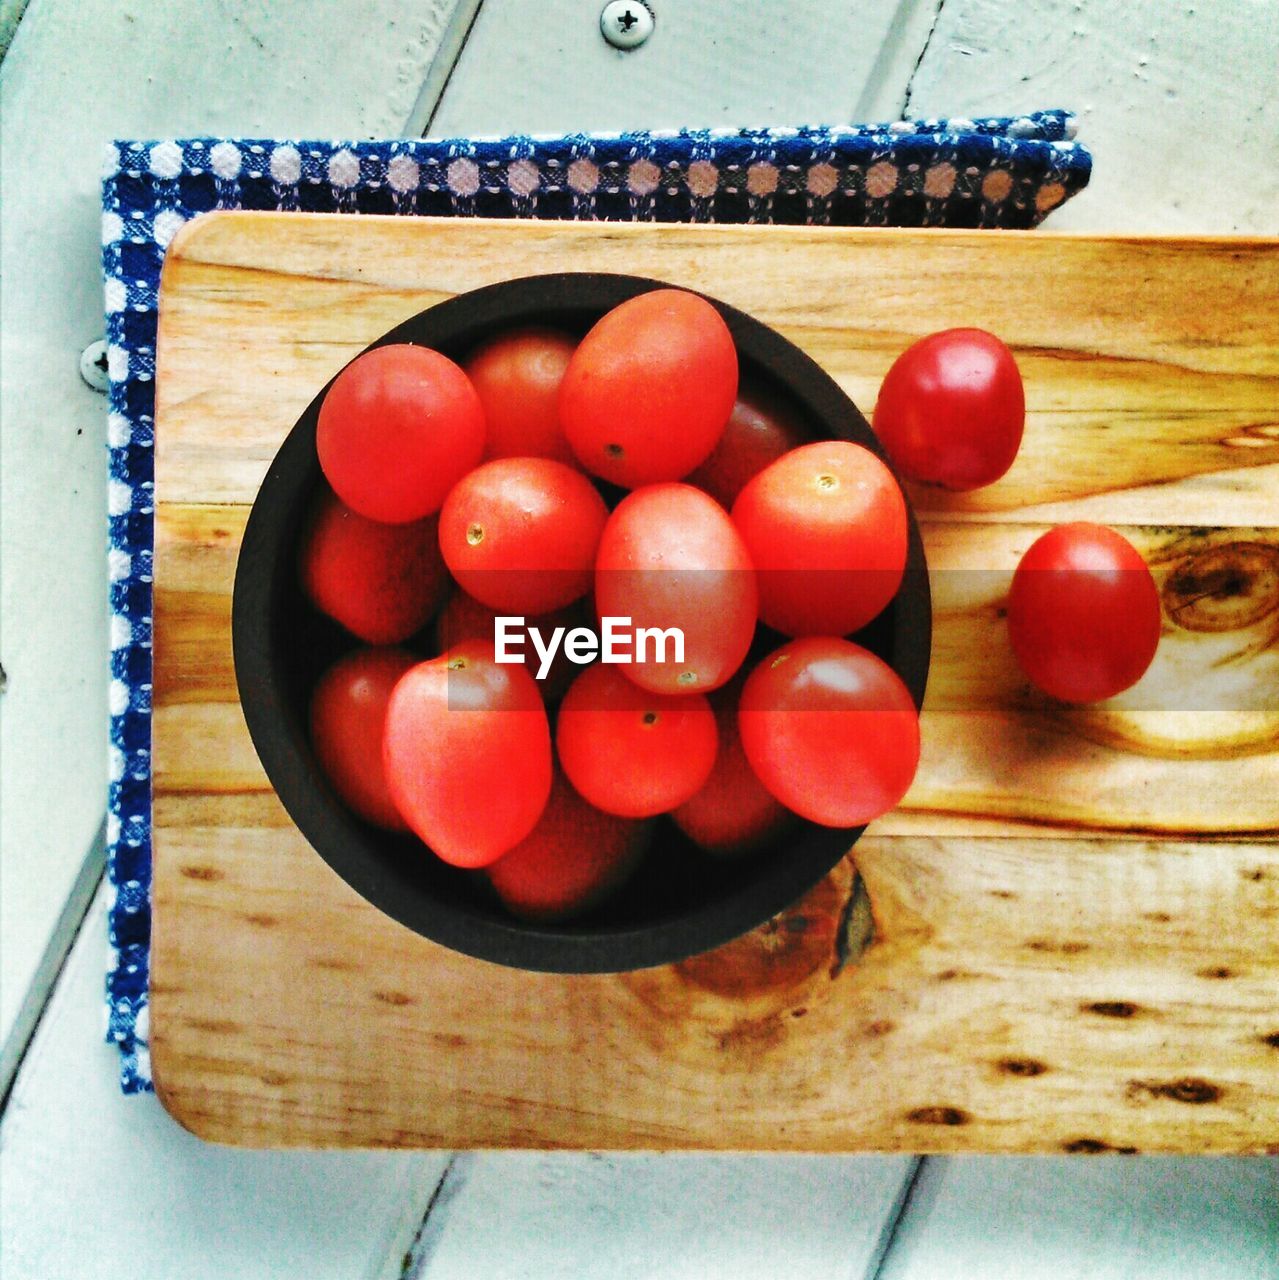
x=756 y=434
x=518 y=376
x=574 y=858
x=348 y=716
x=398 y=428
x=465 y=618
x=952 y=409
x=671 y=558
x=631 y=752
x=649 y=389
x=467 y=754
x=830 y=730
x=519 y=534
x=734 y=812
x=826 y=527
x=382 y=582
x=1083 y=613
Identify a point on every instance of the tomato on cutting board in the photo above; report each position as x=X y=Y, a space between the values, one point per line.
x=397 y=429
x=649 y=389
x=575 y=858
x=826 y=528
x=1083 y=613
x=952 y=409
x=382 y=582
x=348 y=718
x=830 y=730
x=467 y=754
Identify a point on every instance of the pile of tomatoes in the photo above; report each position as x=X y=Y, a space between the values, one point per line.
x=623 y=476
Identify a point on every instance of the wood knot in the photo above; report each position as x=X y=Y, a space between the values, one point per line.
x=1025 y=1067
x=1190 y=1090
x=747 y=997
x=1272 y=1039
x=781 y=955
x=938 y=1115
x=1095 y=1147
x=1217 y=972
x=1223 y=588
x=1112 y=1008
x=397 y=998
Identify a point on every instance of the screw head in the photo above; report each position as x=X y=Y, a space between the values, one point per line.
x=626 y=24
x=93 y=365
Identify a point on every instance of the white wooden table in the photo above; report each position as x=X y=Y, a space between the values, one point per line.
x=1176 y=101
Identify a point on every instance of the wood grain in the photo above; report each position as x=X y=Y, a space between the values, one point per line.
x=1109 y=983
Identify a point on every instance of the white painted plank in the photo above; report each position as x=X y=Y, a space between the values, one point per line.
x=94 y=1185
x=533 y=67
x=632 y=1217
x=1176 y=101
x=1091 y=1218
x=78 y=73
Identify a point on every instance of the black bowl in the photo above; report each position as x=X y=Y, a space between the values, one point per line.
x=681 y=902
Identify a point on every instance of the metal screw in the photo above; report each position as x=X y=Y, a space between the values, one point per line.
x=93 y=365
x=626 y=24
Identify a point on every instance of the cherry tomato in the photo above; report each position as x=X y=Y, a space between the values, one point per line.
x=467 y=754
x=518 y=376
x=830 y=730
x=952 y=409
x=756 y=434
x=1083 y=613
x=348 y=716
x=520 y=534
x=631 y=752
x=649 y=389
x=733 y=813
x=572 y=860
x=826 y=527
x=465 y=618
x=398 y=428
x=382 y=582
x=671 y=558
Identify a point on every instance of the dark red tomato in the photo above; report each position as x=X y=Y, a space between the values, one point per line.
x=467 y=754
x=649 y=389
x=671 y=558
x=465 y=618
x=830 y=730
x=756 y=434
x=348 y=716
x=398 y=428
x=733 y=813
x=575 y=858
x=826 y=527
x=520 y=534
x=518 y=376
x=382 y=582
x=631 y=752
x=1083 y=613
x=952 y=409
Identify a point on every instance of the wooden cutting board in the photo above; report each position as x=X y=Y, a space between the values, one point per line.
x=1067 y=938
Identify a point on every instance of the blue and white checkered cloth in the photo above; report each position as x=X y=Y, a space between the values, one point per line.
x=1007 y=172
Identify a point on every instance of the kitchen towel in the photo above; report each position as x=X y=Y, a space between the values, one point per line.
x=996 y=173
